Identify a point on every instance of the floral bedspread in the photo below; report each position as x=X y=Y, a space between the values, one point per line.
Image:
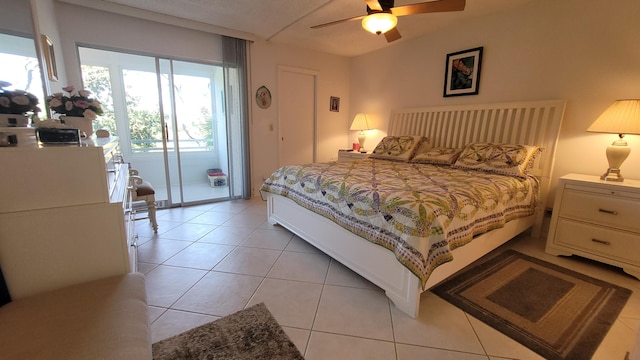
x=421 y=212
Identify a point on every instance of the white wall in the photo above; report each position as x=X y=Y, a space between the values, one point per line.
x=585 y=52
x=45 y=16
x=80 y=25
x=15 y=17
x=333 y=80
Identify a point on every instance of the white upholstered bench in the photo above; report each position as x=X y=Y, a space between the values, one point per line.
x=100 y=319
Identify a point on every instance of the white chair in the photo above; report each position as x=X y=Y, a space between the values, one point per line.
x=141 y=190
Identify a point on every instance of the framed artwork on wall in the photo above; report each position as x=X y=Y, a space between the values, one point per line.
x=334 y=104
x=462 y=74
x=263 y=97
x=50 y=58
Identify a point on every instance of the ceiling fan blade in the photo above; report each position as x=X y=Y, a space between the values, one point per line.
x=392 y=35
x=373 y=5
x=429 y=7
x=338 y=22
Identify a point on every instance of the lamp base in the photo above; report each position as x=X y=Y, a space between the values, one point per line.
x=361 y=138
x=617 y=153
x=612 y=175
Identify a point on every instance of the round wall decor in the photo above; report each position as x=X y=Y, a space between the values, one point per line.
x=263 y=97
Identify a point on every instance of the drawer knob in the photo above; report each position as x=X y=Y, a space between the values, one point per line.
x=603 y=242
x=612 y=212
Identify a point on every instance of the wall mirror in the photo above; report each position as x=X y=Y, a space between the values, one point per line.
x=18 y=54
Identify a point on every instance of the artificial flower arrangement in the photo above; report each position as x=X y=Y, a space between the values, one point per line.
x=17 y=101
x=75 y=104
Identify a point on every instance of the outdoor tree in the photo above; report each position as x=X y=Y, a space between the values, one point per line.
x=144 y=125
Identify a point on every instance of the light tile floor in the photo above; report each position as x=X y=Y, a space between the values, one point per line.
x=211 y=260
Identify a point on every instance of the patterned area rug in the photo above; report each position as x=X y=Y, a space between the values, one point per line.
x=556 y=312
x=251 y=333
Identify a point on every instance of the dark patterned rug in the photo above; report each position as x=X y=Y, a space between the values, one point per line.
x=251 y=333
x=556 y=312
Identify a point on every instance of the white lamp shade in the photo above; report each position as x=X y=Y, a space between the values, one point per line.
x=622 y=117
x=360 y=122
x=379 y=23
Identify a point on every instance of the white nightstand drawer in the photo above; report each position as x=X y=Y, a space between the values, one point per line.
x=619 y=245
x=351 y=155
x=604 y=210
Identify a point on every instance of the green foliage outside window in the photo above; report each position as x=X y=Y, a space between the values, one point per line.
x=145 y=128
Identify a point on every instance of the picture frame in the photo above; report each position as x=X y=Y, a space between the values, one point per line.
x=462 y=72
x=50 y=58
x=334 y=104
x=263 y=97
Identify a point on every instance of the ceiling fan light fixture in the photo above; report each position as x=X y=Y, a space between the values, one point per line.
x=379 y=22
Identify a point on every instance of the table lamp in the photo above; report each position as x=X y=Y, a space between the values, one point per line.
x=361 y=123
x=622 y=117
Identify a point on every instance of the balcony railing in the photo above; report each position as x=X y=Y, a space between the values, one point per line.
x=191 y=145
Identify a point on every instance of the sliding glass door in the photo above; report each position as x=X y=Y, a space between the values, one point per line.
x=194 y=129
x=171 y=118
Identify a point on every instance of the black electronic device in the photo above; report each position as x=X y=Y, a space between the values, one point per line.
x=65 y=136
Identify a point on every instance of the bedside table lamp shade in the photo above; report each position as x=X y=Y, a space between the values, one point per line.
x=361 y=123
x=622 y=117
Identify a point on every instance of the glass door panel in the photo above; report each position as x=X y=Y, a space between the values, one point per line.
x=143 y=124
x=193 y=94
x=170 y=118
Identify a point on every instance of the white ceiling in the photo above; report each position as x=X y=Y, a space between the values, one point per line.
x=289 y=21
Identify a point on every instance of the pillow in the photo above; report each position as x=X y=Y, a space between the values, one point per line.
x=399 y=148
x=437 y=155
x=505 y=159
x=425 y=146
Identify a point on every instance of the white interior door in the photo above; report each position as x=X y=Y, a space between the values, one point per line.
x=296 y=116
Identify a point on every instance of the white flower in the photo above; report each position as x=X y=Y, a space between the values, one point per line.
x=89 y=114
x=4 y=101
x=84 y=93
x=20 y=99
x=55 y=102
x=68 y=105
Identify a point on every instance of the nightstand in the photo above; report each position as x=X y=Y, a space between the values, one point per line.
x=351 y=155
x=598 y=220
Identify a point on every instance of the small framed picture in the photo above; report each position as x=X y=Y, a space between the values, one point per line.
x=462 y=74
x=50 y=58
x=334 y=104
x=263 y=97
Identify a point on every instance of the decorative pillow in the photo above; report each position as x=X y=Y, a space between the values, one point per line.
x=437 y=155
x=506 y=159
x=425 y=146
x=399 y=148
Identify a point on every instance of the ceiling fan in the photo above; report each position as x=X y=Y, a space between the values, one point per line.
x=382 y=16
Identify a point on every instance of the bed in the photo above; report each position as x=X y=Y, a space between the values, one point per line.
x=380 y=254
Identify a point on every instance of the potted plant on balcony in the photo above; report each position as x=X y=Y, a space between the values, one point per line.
x=15 y=105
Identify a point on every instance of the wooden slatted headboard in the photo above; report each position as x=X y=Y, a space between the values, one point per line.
x=530 y=123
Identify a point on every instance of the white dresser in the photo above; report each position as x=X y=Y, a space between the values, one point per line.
x=64 y=215
x=597 y=220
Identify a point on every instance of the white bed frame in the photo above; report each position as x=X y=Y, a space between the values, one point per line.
x=533 y=123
